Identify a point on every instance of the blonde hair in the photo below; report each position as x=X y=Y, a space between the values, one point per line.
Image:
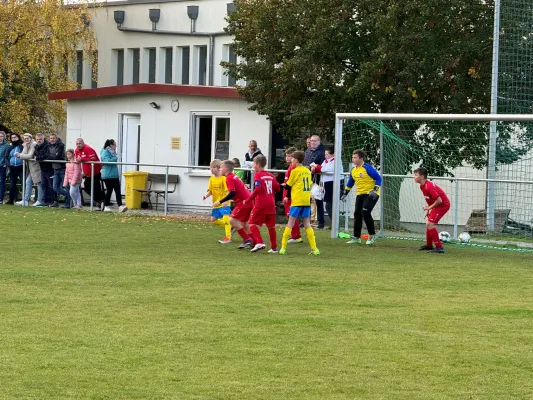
x=215 y=163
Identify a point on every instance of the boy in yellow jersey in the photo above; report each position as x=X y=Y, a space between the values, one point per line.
x=298 y=188
x=368 y=183
x=218 y=189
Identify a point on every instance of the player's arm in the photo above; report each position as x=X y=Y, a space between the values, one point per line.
x=255 y=192
x=374 y=174
x=207 y=195
x=288 y=194
x=348 y=187
x=434 y=195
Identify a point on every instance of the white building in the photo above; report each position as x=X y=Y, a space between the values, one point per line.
x=162 y=93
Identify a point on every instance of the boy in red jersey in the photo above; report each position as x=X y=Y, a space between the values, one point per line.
x=264 y=210
x=296 y=236
x=237 y=192
x=437 y=205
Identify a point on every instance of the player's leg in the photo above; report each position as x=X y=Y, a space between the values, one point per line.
x=293 y=216
x=368 y=206
x=296 y=236
x=357 y=220
x=310 y=236
x=270 y=222
x=434 y=217
x=255 y=221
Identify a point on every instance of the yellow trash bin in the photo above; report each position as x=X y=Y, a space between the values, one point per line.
x=134 y=180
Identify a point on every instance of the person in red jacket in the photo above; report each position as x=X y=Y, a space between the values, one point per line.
x=85 y=153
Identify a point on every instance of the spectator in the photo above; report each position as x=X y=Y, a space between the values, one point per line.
x=33 y=170
x=110 y=175
x=328 y=166
x=15 y=167
x=315 y=154
x=240 y=173
x=85 y=153
x=73 y=178
x=253 y=151
x=57 y=152
x=42 y=152
x=4 y=153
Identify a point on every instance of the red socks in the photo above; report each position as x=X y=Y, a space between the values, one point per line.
x=272 y=236
x=242 y=233
x=256 y=234
x=434 y=234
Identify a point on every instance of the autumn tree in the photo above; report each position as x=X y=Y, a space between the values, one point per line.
x=39 y=38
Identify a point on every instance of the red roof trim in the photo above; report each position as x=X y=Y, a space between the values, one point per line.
x=186 y=90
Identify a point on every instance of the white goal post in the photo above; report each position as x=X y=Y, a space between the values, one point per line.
x=491 y=163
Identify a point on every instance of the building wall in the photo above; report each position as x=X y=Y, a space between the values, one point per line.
x=96 y=120
x=211 y=19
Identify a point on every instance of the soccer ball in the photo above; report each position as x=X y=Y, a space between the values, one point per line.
x=465 y=237
x=444 y=237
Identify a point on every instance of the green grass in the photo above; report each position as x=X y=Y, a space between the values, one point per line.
x=99 y=306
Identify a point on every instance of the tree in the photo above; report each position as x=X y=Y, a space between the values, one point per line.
x=38 y=39
x=307 y=59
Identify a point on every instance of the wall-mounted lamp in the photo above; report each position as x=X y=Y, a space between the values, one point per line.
x=192 y=12
x=154 y=14
x=153 y=104
x=119 y=16
x=231 y=7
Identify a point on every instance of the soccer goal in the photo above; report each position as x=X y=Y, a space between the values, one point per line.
x=483 y=162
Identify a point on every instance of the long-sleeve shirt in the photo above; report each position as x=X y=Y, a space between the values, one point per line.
x=72 y=174
x=86 y=154
x=365 y=177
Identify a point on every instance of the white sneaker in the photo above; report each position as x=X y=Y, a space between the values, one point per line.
x=273 y=251
x=257 y=247
x=38 y=204
x=107 y=209
x=122 y=209
x=22 y=203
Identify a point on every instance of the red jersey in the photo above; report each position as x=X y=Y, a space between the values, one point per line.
x=264 y=192
x=287 y=176
x=88 y=154
x=432 y=192
x=234 y=184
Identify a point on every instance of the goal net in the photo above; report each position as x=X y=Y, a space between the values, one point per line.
x=489 y=183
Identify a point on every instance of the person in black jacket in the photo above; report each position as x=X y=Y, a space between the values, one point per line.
x=56 y=151
x=15 y=166
x=42 y=152
x=316 y=154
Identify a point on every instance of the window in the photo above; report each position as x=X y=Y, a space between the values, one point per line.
x=79 y=68
x=94 y=70
x=185 y=64
x=232 y=58
x=168 y=65
x=120 y=67
x=151 y=65
x=136 y=65
x=207 y=131
x=200 y=65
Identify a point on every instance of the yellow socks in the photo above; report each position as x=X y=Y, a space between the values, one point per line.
x=227 y=226
x=285 y=237
x=310 y=237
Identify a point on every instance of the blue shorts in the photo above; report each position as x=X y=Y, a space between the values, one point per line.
x=300 y=211
x=218 y=213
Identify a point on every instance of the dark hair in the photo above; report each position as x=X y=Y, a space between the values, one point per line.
x=360 y=153
x=299 y=156
x=108 y=143
x=14 y=134
x=290 y=150
x=260 y=160
x=421 y=171
x=236 y=162
x=330 y=149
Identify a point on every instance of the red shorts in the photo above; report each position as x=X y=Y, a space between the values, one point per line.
x=258 y=217
x=435 y=214
x=242 y=212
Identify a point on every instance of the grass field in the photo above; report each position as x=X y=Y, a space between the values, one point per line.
x=99 y=306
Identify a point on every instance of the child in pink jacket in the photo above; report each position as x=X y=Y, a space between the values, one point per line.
x=73 y=178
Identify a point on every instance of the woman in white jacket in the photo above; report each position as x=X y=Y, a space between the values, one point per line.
x=327 y=169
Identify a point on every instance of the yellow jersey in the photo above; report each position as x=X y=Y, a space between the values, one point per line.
x=218 y=189
x=300 y=182
x=365 y=178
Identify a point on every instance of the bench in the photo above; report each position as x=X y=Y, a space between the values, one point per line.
x=154 y=180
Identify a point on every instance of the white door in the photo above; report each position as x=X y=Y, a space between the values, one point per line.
x=129 y=144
